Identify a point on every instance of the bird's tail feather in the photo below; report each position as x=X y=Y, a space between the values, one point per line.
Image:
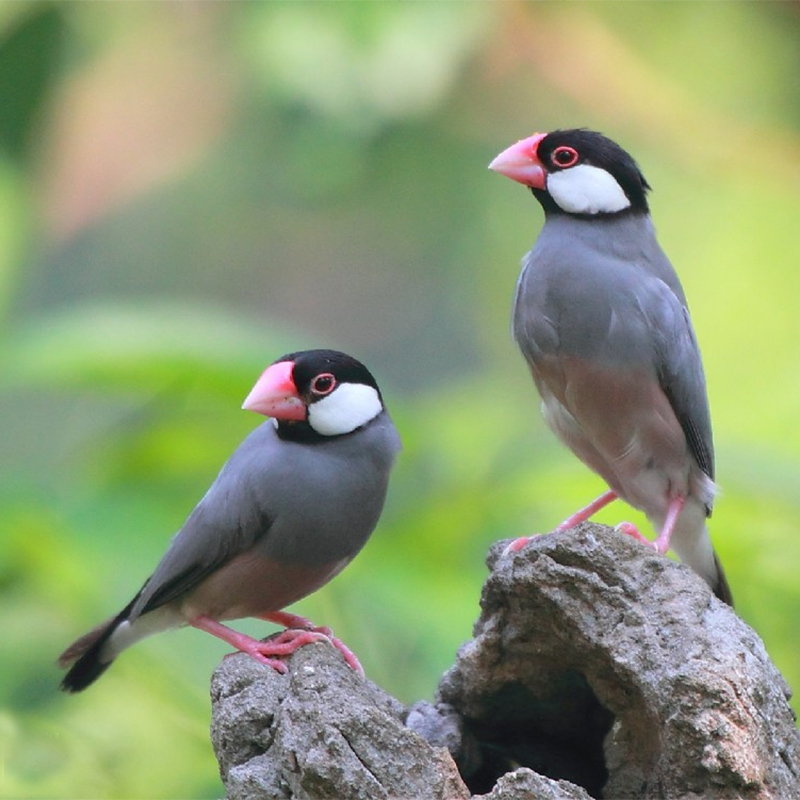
x=721 y=589
x=692 y=543
x=84 y=656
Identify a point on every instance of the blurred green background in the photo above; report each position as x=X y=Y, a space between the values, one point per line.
x=189 y=190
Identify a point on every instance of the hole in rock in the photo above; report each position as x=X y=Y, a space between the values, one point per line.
x=556 y=730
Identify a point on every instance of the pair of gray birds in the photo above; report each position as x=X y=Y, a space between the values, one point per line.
x=601 y=319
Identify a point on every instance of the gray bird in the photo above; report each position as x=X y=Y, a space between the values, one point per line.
x=290 y=509
x=601 y=318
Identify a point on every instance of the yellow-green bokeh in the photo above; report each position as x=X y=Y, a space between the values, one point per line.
x=188 y=190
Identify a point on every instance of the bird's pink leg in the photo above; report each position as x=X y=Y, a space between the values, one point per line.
x=297 y=625
x=629 y=529
x=299 y=632
x=674 y=509
x=260 y=651
x=570 y=522
x=661 y=544
x=588 y=511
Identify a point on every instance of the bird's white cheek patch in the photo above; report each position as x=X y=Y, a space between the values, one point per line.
x=348 y=407
x=585 y=189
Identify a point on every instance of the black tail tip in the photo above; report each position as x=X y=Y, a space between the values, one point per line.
x=84 y=672
x=721 y=589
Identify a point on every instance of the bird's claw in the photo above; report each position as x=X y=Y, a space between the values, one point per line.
x=294 y=639
x=256 y=654
x=629 y=529
x=276 y=664
x=300 y=631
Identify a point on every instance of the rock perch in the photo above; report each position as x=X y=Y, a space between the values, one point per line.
x=598 y=669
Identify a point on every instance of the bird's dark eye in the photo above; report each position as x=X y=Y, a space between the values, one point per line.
x=564 y=156
x=323 y=384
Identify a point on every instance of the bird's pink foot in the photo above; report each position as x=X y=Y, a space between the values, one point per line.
x=271 y=651
x=275 y=663
x=517 y=545
x=296 y=624
x=662 y=542
x=283 y=644
x=629 y=529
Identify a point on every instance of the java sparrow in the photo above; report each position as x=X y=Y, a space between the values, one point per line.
x=601 y=319
x=292 y=506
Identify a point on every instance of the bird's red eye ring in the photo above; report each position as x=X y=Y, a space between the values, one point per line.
x=323 y=384
x=564 y=156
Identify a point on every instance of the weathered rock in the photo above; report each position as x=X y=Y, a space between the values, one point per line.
x=525 y=784
x=442 y=726
x=598 y=669
x=318 y=732
x=598 y=661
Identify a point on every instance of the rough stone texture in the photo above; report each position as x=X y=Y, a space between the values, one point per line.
x=318 y=732
x=598 y=661
x=442 y=726
x=525 y=784
x=598 y=669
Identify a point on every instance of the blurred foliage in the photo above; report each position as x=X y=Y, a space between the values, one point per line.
x=191 y=189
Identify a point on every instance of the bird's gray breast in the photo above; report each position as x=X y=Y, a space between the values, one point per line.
x=591 y=290
x=323 y=500
x=601 y=319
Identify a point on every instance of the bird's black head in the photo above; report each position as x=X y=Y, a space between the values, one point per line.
x=312 y=368
x=316 y=394
x=577 y=172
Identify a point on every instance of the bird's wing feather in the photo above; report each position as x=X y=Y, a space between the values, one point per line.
x=228 y=521
x=680 y=373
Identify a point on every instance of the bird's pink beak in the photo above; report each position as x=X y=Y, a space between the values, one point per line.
x=275 y=394
x=520 y=162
